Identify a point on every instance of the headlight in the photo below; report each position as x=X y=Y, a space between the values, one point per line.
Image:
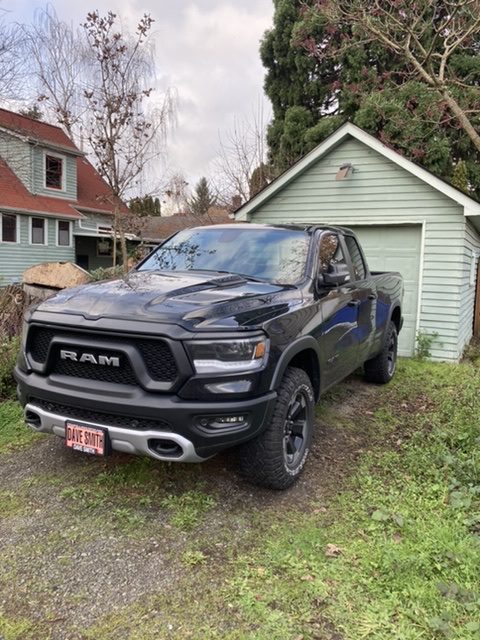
x=229 y=356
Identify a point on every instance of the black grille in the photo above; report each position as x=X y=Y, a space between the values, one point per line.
x=39 y=341
x=158 y=359
x=107 y=419
x=119 y=375
x=157 y=355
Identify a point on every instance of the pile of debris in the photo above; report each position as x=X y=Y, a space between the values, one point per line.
x=39 y=283
x=13 y=303
x=45 y=280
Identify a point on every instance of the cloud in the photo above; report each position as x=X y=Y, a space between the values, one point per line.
x=206 y=49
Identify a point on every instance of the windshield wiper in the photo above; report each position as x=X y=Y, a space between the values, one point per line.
x=234 y=273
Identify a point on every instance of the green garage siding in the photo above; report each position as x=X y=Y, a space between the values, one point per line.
x=380 y=193
x=469 y=261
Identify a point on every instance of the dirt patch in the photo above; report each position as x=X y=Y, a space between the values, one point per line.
x=92 y=536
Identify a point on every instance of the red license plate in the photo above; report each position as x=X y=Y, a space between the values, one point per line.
x=80 y=437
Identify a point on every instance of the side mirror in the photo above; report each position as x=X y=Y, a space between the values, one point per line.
x=337 y=275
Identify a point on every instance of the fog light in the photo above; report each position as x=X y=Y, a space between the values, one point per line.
x=237 y=386
x=230 y=419
x=214 y=423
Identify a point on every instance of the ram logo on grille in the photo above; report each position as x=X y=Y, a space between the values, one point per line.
x=105 y=361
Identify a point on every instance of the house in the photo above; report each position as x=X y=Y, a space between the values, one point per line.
x=154 y=229
x=407 y=219
x=54 y=206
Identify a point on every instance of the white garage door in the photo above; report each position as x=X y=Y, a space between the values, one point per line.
x=397 y=248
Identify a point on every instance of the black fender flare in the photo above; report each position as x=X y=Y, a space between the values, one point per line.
x=393 y=308
x=302 y=344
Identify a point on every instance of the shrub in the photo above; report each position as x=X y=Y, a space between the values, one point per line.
x=8 y=355
x=108 y=273
x=424 y=344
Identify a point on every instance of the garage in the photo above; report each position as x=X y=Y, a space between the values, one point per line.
x=407 y=220
x=397 y=248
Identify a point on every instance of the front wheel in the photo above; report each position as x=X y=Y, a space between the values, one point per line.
x=381 y=369
x=276 y=457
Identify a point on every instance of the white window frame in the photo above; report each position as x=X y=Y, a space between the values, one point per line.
x=17 y=229
x=57 y=233
x=30 y=238
x=64 y=171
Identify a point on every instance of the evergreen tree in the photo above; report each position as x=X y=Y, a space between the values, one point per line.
x=294 y=80
x=202 y=200
x=460 y=177
x=261 y=176
x=145 y=206
x=32 y=112
x=319 y=74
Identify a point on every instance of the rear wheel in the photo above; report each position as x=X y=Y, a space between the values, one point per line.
x=381 y=369
x=277 y=456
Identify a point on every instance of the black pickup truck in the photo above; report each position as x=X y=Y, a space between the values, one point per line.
x=223 y=336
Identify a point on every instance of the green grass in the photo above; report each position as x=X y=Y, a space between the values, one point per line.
x=393 y=555
x=187 y=509
x=11 y=504
x=13 y=431
x=406 y=529
x=19 y=629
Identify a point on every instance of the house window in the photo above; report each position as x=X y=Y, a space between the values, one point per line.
x=63 y=233
x=104 y=248
x=53 y=172
x=38 y=231
x=9 y=228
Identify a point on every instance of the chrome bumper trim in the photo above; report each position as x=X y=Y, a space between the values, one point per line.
x=125 y=440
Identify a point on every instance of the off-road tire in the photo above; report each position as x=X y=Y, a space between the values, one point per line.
x=267 y=460
x=381 y=369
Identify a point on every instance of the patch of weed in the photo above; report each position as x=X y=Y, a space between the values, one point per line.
x=11 y=504
x=13 y=431
x=192 y=558
x=188 y=508
x=20 y=629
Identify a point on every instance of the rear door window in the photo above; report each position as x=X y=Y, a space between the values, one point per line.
x=359 y=268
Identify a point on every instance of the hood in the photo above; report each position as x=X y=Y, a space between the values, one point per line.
x=192 y=300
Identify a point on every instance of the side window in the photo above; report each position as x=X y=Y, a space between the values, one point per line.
x=359 y=268
x=38 y=231
x=331 y=255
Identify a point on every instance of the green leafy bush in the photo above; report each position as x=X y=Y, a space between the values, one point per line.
x=108 y=273
x=8 y=355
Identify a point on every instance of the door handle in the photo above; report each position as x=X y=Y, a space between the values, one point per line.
x=372 y=296
x=354 y=303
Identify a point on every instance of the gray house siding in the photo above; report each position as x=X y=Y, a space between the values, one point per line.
x=381 y=192
x=70 y=191
x=88 y=226
x=16 y=257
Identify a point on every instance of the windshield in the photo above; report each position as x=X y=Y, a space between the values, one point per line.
x=276 y=255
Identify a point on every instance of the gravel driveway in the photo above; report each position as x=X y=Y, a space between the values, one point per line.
x=82 y=538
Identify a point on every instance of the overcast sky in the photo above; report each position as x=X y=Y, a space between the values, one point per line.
x=206 y=49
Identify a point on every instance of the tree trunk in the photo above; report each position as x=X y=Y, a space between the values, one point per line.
x=123 y=245
x=114 y=239
x=462 y=118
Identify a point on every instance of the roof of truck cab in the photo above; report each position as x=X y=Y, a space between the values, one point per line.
x=309 y=228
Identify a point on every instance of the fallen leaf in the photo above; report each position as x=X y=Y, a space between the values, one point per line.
x=307 y=578
x=332 y=551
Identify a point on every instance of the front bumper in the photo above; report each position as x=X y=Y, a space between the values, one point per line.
x=49 y=403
